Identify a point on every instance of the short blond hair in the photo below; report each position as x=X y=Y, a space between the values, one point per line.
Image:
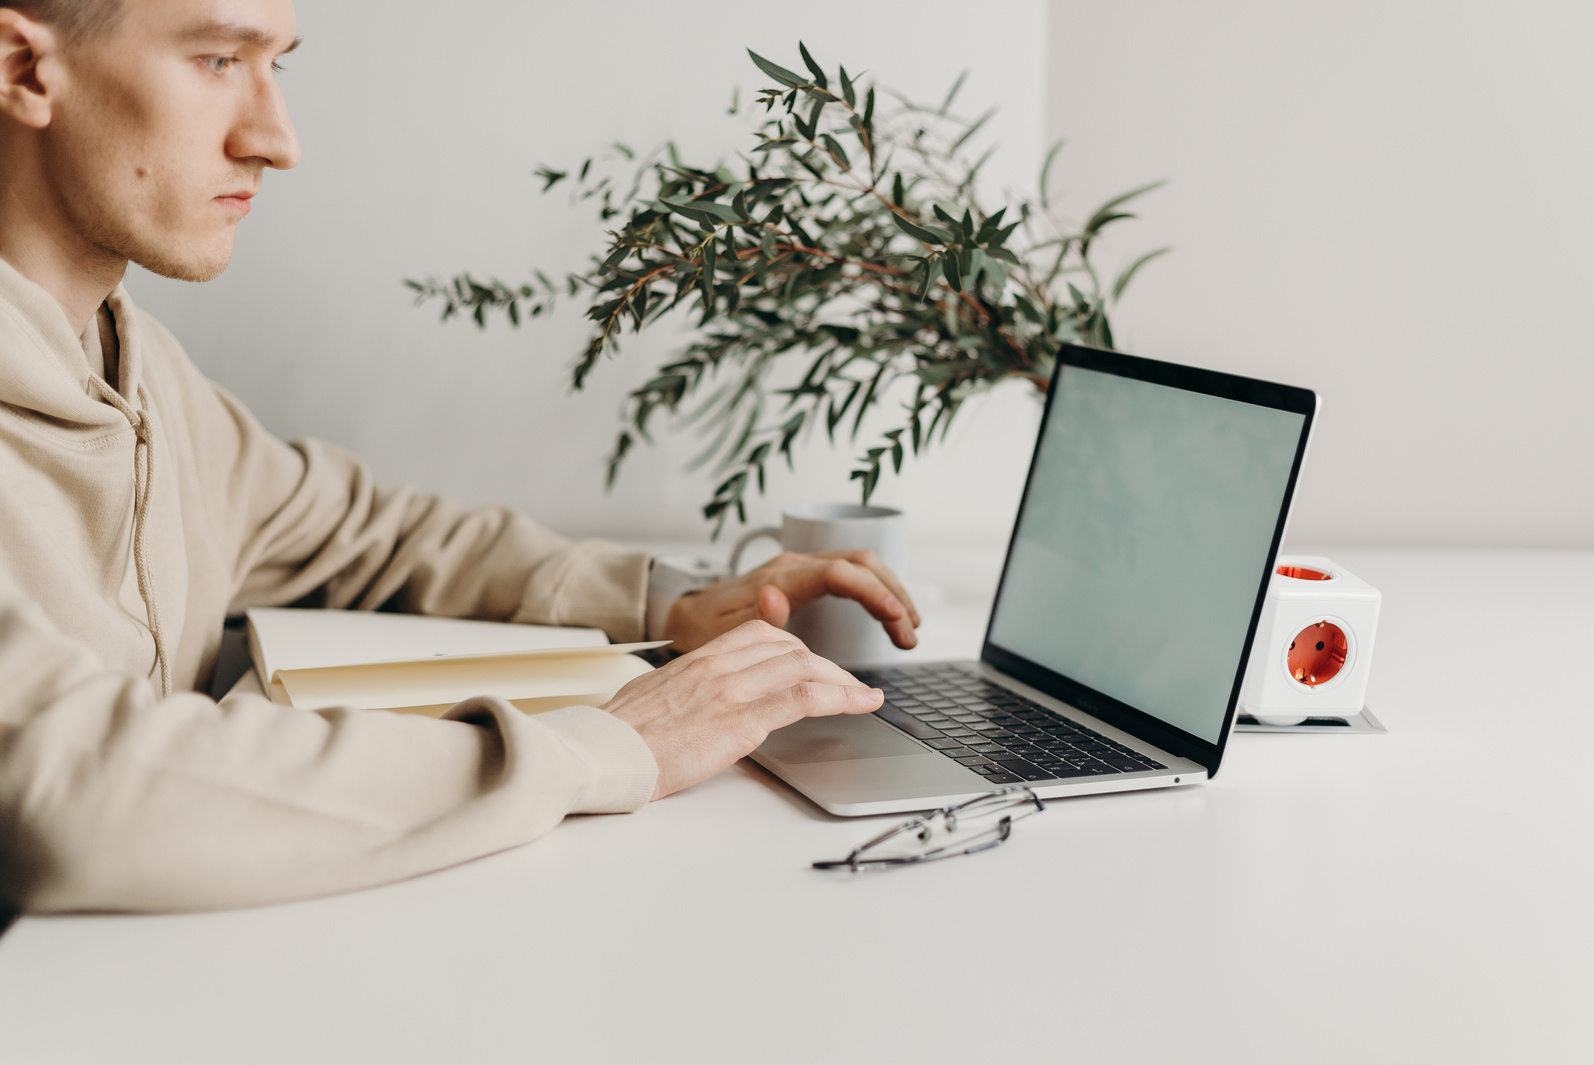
x=76 y=20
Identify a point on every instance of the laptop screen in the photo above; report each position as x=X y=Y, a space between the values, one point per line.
x=1146 y=531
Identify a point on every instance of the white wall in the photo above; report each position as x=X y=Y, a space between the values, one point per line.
x=1388 y=201
x=420 y=130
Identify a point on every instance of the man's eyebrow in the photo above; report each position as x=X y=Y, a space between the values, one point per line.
x=236 y=33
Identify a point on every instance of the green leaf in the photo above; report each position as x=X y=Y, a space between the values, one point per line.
x=1100 y=221
x=896 y=190
x=818 y=72
x=1124 y=278
x=949 y=267
x=550 y=176
x=779 y=73
x=621 y=447
x=868 y=397
x=835 y=150
x=1046 y=171
x=836 y=414
x=868 y=109
x=846 y=89
x=928 y=236
x=974 y=127
x=1104 y=213
x=990 y=228
x=952 y=93
x=692 y=208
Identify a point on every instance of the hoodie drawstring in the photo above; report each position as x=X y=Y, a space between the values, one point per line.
x=143 y=485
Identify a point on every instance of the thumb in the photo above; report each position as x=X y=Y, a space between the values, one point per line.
x=773 y=606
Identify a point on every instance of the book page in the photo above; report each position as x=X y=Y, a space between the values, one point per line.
x=290 y=638
x=541 y=681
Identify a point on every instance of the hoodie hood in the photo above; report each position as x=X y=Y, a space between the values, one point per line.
x=43 y=368
x=44 y=372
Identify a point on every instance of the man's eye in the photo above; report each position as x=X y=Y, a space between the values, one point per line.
x=218 y=64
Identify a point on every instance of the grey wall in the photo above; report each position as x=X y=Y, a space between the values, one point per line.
x=420 y=133
x=1385 y=200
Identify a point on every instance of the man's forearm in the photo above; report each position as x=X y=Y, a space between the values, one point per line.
x=111 y=798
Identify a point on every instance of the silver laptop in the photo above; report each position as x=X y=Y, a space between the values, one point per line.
x=1155 y=505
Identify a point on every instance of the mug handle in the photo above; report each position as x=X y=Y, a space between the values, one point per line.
x=747 y=538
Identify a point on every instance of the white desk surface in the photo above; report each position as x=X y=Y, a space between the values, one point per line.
x=1414 y=897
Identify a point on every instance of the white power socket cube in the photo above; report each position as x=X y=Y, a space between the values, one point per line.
x=1314 y=645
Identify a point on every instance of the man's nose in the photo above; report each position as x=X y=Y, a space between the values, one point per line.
x=263 y=130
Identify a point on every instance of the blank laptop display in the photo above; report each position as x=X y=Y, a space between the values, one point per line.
x=1146 y=526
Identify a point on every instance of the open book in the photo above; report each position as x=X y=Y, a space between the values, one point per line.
x=412 y=664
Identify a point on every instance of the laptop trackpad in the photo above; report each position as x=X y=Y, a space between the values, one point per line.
x=837 y=739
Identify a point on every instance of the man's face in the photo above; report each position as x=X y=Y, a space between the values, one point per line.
x=164 y=126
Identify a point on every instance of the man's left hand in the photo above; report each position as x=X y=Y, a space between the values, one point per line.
x=787 y=583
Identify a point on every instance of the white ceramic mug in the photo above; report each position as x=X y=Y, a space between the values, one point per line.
x=839 y=629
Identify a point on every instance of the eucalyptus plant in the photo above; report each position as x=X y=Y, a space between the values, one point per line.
x=851 y=243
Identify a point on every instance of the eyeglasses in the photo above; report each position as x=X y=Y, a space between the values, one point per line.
x=966 y=828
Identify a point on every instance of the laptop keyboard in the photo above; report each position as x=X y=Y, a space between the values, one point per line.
x=998 y=733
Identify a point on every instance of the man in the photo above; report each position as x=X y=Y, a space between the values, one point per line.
x=139 y=505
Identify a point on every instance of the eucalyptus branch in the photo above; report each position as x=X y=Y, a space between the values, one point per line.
x=883 y=272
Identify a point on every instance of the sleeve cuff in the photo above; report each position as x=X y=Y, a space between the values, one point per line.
x=621 y=769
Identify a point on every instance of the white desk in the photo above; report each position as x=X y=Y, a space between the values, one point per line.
x=1421 y=896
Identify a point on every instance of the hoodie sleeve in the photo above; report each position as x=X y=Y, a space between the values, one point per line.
x=312 y=526
x=114 y=799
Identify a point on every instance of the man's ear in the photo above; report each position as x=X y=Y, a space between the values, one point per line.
x=25 y=47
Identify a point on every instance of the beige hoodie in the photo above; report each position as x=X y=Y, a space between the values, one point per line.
x=132 y=521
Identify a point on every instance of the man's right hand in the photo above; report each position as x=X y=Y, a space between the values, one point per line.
x=703 y=711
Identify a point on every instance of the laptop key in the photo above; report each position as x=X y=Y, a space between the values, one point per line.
x=1070 y=771
x=1003 y=778
x=907 y=723
x=1027 y=770
x=946 y=744
x=988 y=748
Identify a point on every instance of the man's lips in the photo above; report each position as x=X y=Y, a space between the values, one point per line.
x=237 y=201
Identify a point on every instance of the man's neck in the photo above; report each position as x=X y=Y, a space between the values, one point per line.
x=43 y=246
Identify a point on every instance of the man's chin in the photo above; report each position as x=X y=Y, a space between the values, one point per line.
x=186 y=268
x=191 y=260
